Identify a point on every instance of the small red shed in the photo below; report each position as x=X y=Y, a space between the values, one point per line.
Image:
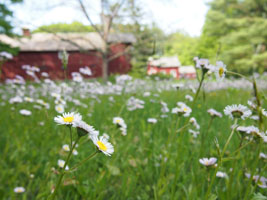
x=170 y=66
x=42 y=51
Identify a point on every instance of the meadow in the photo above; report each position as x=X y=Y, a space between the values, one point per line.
x=156 y=159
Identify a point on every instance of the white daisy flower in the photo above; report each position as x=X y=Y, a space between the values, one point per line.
x=123 y=131
x=214 y=113
x=66 y=147
x=75 y=152
x=242 y=129
x=59 y=108
x=152 y=120
x=264 y=112
x=195 y=133
x=202 y=63
x=263 y=155
x=61 y=164
x=220 y=70
x=182 y=109
x=119 y=121
x=106 y=136
x=221 y=174
x=254 y=117
x=194 y=122
x=237 y=111
x=28 y=99
x=208 y=161
x=103 y=145
x=261 y=181
x=252 y=105
x=83 y=128
x=19 y=189
x=188 y=97
x=68 y=118
x=25 y=112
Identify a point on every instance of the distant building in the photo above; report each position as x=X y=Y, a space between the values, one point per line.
x=170 y=66
x=42 y=50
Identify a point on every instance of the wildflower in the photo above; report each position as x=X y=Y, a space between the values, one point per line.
x=25 y=112
x=59 y=108
x=152 y=120
x=182 y=109
x=83 y=128
x=260 y=181
x=262 y=155
x=61 y=164
x=164 y=107
x=254 y=131
x=75 y=152
x=68 y=118
x=16 y=99
x=66 y=147
x=19 y=189
x=202 y=63
x=264 y=112
x=86 y=71
x=28 y=99
x=103 y=145
x=221 y=174
x=121 y=125
x=106 y=136
x=220 y=70
x=242 y=129
x=195 y=133
x=237 y=111
x=188 y=97
x=208 y=161
x=119 y=121
x=214 y=113
x=194 y=122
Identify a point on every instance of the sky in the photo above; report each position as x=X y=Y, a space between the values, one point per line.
x=169 y=15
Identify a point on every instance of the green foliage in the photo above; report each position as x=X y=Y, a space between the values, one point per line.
x=237 y=31
x=5 y=24
x=183 y=46
x=135 y=170
x=65 y=28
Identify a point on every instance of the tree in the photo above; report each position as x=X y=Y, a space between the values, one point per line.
x=237 y=30
x=5 y=24
x=183 y=45
x=64 y=28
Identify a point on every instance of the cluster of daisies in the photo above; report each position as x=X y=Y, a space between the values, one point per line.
x=75 y=120
x=219 y=68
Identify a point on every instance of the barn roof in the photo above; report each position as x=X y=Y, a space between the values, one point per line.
x=165 y=62
x=187 y=69
x=65 y=41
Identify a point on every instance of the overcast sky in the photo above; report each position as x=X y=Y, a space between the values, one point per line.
x=170 y=15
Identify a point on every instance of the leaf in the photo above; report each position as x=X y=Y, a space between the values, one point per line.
x=259 y=196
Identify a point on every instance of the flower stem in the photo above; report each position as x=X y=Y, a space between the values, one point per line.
x=83 y=161
x=63 y=171
x=220 y=161
x=253 y=171
x=237 y=74
x=198 y=89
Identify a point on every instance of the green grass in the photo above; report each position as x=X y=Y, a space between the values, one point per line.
x=138 y=168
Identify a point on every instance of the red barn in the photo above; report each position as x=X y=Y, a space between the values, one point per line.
x=170 y=66
x=42 y=50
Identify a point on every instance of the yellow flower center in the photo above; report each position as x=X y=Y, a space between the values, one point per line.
x=118 y=121
x=185 y=109
x=101 y=146
x=68 y=119
x=221 y=71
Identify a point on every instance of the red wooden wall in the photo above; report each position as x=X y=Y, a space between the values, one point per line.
x=50 y=63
